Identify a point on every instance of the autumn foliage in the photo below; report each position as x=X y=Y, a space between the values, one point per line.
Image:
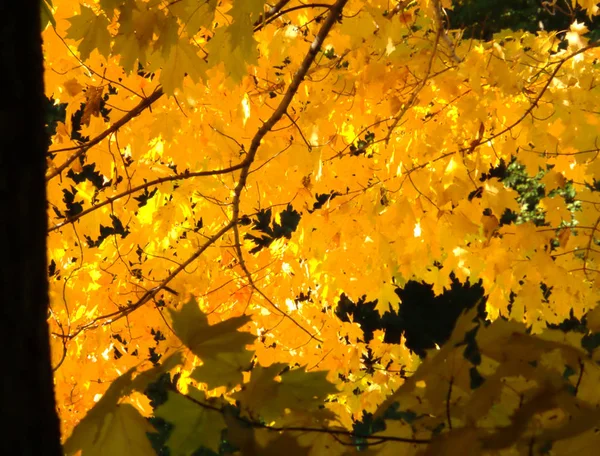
x=223 y=172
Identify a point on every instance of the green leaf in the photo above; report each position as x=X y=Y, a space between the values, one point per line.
x=142 y=381
x=593 y=319
x=297 y=391
x=284 y=444
x=92 y=30
x=123 y=432
x=129 y=50
x=110 y=5
x=183 y=60
x=194 y=425
x=235 y=44
x=46 y=14
x=225 y=369
x=302 y=390
x=168 y=36
x=194 y=14
x=257 y=441
x=136 y=31
x=111 y=428
x=221 y=347
x=249 y=10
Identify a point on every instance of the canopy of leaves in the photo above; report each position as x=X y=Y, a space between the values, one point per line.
x=323 y=227
x=483 y=18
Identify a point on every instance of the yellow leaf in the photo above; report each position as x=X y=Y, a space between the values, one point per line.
x=556 y=210
x=73 y=87
x=553 y=180
x=499 y=198
x=387 y=300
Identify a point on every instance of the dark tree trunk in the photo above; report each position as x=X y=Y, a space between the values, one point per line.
x=29 y=423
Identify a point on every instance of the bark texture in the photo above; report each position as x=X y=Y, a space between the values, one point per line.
x=30 y=425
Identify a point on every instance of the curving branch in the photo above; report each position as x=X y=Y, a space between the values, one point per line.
x=274 y=13
x=483 y=140
x=280 y=111
x=274 y=10
x=83 y=148
x=477 y=142
x=244 y=166
x=145 y=185
x=589 y=247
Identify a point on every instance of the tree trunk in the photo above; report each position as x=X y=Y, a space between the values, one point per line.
x=30 y=425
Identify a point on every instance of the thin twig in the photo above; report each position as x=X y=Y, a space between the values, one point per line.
x=413 y=98
x=324 y=430
x=150 y=294
x=273 y=13
x=448 y=397
x=537 y=99
x=438 y=11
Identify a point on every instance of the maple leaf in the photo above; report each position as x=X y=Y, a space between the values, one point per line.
x=110 y=5
x=283 y=444
x=183 y=61
x=108 y=425
x=220 y=347
x=387 y=300
x=297 y=390
x=123 y=431
x=141 y=382
x=167 y=36
x=235 y=44
x=194 y=15
x=92 y=106
x=134 y=38
x=243 y=156
x=498 y=198
x=194 y=425
x=92 y=30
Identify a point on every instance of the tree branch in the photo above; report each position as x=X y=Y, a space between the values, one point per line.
x=280 y=111
x=260 y=24
x=535 y=102
x=83 y=148
x=438 y=11
x=272 y=12
x=145 y=185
